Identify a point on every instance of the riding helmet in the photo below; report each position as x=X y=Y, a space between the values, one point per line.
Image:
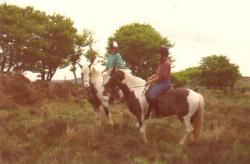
x=113 y=44
x=163 y=50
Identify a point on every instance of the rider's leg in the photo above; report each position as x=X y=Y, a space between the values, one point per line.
x=152 y=100
x=152 y=94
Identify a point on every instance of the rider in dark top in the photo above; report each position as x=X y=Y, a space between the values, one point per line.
x=160 y=81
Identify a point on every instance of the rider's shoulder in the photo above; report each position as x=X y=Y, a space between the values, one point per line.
x=117 y=54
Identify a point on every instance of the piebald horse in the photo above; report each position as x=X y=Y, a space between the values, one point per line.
x=92 y=78
x=187 y=104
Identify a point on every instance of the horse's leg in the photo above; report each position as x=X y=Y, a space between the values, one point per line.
x=105 y=104
x=148 y=112
x=108 y=114
x=142 y=126
x=188 y=129
x=143 y=132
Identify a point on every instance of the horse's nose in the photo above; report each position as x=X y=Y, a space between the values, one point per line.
x=86 y=85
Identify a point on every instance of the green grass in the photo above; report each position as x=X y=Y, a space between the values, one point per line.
x=70 y=132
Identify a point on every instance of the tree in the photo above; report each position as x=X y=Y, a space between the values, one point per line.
x=189 y=76
x=218 y=72
x=12 y=36
x=34 y=41
x=91 y=55
x=137 y=44
x=60 y=36
x=81 y=41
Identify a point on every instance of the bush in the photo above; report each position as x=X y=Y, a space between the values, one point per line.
x=178 y=80
x=243 y=90
x=218 y=72
x=43 y=89
x=189 y=76
x=17 y=90
x=65 y=90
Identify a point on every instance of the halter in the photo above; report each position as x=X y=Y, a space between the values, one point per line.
x=139 y=86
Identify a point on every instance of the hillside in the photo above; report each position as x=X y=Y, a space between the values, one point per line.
x=59 y=126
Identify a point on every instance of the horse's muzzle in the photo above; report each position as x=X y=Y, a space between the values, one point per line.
x=86 y=85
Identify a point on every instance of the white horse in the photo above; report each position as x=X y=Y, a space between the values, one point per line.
x=187 y=104
x=92 y=77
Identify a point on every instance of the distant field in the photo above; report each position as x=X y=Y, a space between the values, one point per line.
x=70 y=132
x=244 y=82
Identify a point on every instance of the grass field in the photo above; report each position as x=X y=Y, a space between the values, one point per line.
x=68 y=131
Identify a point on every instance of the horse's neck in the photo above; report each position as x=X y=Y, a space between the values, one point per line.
x=133 y=81
x=96 y=78
x=133 y=84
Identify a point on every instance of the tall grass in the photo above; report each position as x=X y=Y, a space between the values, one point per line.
x=68 y=131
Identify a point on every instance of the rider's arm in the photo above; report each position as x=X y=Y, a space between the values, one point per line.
x=151 y=77
x=153 y=80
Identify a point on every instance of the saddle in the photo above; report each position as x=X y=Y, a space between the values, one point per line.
x=155 y=102
x=170 y=88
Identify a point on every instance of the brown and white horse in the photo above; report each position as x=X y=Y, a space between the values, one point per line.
x=92 y=78
x=187 y=104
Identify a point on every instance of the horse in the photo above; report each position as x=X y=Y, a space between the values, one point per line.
x=187 y=104
x=92 y=78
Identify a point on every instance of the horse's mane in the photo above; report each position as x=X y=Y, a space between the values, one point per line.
x=132 y=78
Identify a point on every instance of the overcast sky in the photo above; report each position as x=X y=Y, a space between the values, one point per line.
x=197 y=27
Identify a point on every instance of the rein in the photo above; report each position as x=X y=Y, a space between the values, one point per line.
x=139 y=86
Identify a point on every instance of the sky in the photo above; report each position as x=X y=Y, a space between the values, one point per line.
x=198 y=28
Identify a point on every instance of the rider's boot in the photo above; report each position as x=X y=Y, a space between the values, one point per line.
x=153 y=104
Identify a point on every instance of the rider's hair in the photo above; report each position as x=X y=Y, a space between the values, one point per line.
x=163 y=50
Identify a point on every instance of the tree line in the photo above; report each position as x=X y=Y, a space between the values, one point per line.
x=215 y=71
x=31 y=40
x=139 y=43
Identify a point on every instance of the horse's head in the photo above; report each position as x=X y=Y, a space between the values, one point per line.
x=113 y=79
x=85 y=73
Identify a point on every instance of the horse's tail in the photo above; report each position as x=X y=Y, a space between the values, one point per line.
x=198 y=120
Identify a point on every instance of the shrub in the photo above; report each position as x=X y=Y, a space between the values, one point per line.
x=218 y=72
x=178 y=80
x=18 y=88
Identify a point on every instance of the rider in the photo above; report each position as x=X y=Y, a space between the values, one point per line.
x=114 y=58
x=160 y=81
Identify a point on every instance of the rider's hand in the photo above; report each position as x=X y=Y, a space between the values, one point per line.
x=148 y=82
